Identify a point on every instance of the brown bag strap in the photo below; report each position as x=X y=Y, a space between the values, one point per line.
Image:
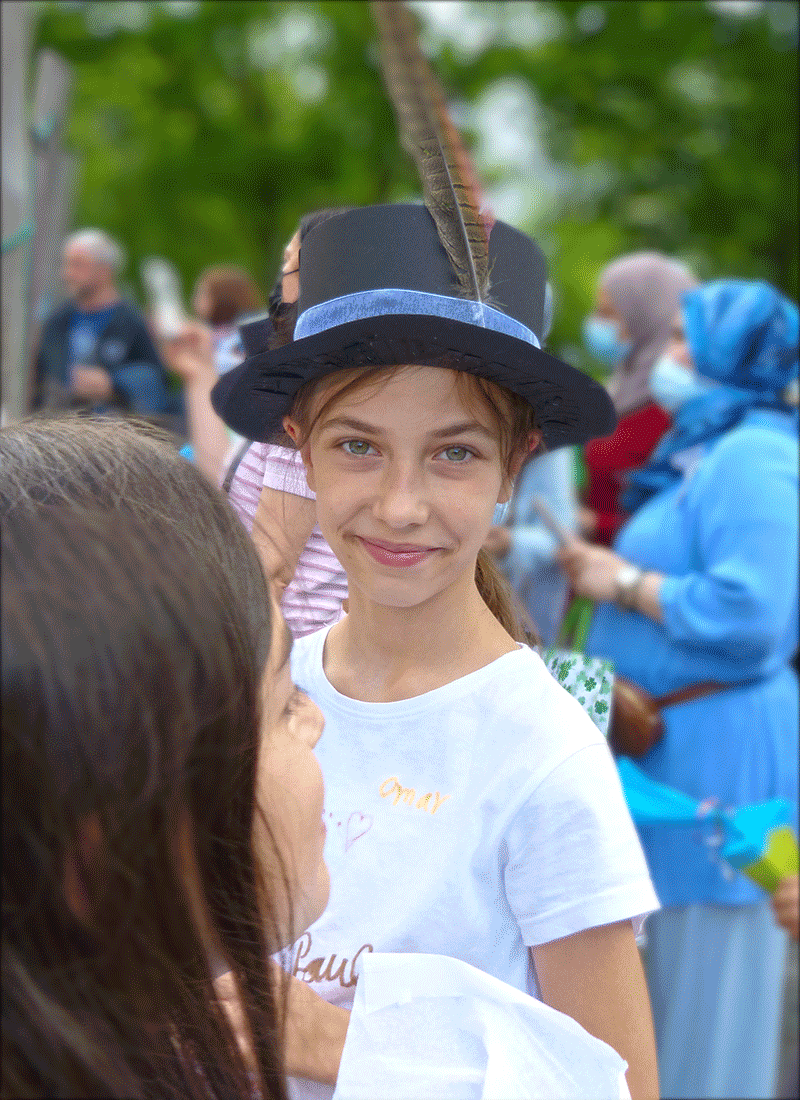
x=695 y=691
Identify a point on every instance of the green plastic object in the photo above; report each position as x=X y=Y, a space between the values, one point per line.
x=762 y=844
x=575 y=627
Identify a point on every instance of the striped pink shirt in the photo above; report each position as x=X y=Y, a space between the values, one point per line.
x=313 y=598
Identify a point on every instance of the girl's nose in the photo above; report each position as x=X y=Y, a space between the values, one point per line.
x=401 y=500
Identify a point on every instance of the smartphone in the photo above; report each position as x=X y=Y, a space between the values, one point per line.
x=549 y=520
x=164 y=292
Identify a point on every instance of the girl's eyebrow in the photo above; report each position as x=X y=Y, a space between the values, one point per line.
x=461 y=428
x=352 y=424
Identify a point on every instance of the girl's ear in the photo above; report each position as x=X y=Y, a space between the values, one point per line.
x=518 y=459
x=293 y=431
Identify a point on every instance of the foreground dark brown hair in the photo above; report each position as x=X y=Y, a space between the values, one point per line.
x=134 y=635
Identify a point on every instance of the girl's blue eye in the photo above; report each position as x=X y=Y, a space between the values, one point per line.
x=357 y=447
x=457 y=454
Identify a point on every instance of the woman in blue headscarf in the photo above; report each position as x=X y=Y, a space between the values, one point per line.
x=702 y=585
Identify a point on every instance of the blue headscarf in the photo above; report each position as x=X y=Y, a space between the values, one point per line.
x=742 y=335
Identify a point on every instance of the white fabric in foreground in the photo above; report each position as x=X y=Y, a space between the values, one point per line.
x=430 y=1026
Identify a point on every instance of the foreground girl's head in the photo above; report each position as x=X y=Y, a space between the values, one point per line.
x=137 y=720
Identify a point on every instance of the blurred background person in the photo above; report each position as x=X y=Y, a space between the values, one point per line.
x=786 y=905
x=524 y=546
x=266 y=483
x=223 y=294
x=206 y=347
x=701 y=592
x=269 y=491
x=95 y=350
x=786 y=909
x=636 y=300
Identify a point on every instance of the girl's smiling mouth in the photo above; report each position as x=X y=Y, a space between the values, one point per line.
x=399 y=554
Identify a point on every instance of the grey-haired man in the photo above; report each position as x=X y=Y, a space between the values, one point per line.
x=95 y=350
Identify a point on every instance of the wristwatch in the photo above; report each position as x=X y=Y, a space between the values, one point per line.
x=627 y=582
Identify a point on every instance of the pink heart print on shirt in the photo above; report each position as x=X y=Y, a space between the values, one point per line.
x=357 y=825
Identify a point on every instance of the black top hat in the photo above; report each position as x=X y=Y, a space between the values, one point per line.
x=377 y=289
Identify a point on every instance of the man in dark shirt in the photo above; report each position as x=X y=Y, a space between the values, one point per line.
x=95 y=350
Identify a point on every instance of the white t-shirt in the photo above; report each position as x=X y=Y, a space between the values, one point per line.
x=475 y=821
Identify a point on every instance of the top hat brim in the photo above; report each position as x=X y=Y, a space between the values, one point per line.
x=570 y=407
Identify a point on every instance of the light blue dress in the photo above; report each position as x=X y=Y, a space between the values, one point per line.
x=726 y=537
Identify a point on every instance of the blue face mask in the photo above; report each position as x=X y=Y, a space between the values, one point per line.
x=672 y=384
x=601 y=339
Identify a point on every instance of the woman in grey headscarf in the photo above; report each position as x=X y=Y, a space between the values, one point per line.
x=637 y=297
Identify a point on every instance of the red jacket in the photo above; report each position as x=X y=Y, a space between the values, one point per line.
x=609 y=459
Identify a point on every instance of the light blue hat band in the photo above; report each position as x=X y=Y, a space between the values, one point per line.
x=383 y=302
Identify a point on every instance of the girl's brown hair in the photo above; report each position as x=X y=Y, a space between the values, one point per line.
x=231 y=291
x=515 y=424
x=134 y=636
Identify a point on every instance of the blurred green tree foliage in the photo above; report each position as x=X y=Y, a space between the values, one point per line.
x=205 y=128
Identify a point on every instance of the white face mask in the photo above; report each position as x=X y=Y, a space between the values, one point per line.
x=602 y=340
x=672 y=384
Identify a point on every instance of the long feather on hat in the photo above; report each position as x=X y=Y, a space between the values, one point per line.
x=449 y=184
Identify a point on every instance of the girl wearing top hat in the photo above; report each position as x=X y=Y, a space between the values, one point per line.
x=472 y=807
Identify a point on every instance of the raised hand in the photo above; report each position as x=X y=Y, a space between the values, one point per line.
x=190 y=354
x=91 y=383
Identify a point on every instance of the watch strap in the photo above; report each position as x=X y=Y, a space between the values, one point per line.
x=626 y=593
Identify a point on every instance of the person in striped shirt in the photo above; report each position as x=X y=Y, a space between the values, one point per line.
x=270 y=494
